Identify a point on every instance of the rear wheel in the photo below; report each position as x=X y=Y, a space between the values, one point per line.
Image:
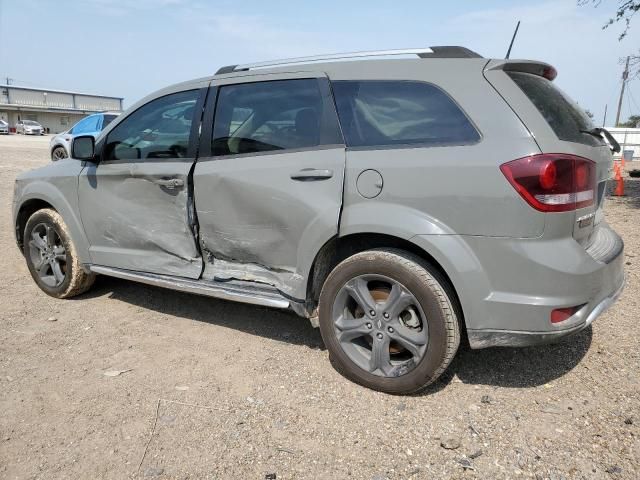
x=51 y=256
x=388 y=320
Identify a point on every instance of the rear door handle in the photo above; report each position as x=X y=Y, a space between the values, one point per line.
x=309 y=174
x=170 y=183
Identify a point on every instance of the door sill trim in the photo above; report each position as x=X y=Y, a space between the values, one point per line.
x=233 y=291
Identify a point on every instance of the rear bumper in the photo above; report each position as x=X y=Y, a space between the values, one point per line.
x=506 y=338
x=508 y=287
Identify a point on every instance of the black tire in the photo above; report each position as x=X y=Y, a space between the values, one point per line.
x=435 y=297
x=58 y=153
x=76 y=280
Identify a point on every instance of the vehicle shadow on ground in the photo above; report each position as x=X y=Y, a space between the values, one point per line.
x=502 y=367
x=274 y=324
x=521 y=367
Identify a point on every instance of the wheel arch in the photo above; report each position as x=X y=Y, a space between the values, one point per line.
x=28 y=208
x=37 y=195
x=339 y=248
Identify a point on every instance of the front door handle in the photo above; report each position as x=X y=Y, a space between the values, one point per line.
x=309 y=174
x=170 y=183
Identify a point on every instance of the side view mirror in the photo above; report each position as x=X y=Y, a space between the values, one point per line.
x=83 y=148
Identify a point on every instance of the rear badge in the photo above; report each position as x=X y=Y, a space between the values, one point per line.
x=586 y=220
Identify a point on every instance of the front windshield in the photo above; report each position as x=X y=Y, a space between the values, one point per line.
x=32 y=123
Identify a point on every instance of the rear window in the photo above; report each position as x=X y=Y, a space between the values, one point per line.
x=386 y=113
x=563 y=115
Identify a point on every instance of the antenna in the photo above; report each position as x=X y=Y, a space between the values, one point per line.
x=512 y=40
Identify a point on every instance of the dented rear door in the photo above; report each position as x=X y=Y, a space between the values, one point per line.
x=268 y=182
x=135 y=203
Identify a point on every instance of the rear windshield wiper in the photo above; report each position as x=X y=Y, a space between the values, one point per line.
x=603 y=132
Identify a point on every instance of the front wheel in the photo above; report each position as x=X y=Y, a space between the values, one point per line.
x=389 y=321
x=51 y=256
x=58 y=153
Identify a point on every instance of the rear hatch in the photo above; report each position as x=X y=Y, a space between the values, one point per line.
x=559 y=126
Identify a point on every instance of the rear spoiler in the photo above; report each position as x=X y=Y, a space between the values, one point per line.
x=526 y=66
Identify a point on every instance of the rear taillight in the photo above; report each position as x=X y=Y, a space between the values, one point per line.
x=549 y=73
x=553 y=182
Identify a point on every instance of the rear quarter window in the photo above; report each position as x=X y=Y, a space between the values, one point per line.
x=377 y=113
x=564 y=116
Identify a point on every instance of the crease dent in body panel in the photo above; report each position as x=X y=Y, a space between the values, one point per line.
x=218 y=269
x=122 y=227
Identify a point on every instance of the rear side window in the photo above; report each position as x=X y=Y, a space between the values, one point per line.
x=563 y=115
x=272 y=116
x=382 y=113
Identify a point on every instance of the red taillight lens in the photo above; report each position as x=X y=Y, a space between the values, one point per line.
x=553 y=182
x=561 y=314
x=549 y=73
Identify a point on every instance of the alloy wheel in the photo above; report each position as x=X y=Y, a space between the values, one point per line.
x=59 y=153
x=48 y=255
x=380 y=325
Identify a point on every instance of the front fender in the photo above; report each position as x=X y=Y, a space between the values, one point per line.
x=61 y=192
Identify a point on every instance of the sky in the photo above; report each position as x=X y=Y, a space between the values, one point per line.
x=129 y=48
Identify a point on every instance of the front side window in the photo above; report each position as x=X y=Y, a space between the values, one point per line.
x=271 y=116
x=386 y=113
x=159 y=129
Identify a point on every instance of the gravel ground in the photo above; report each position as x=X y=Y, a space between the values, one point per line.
x=213 y=389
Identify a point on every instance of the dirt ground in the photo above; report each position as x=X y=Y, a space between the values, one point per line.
x=219 y=390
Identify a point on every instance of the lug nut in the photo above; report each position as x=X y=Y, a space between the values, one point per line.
x=379 y=335
x=372 y=313
x=385 y=315
x=390 y=329
x=368 y=325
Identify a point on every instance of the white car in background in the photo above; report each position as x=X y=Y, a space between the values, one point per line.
x=29 y=127
x=4 y=127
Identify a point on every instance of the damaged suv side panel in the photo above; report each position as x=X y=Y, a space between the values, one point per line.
x=268 y=183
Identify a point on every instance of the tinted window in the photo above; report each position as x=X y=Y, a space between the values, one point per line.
x=107 y=119
x=31 y=123
x=86 y=125
x=377 y=113
x=563 y=115
x=159 y=129
x=268 y=116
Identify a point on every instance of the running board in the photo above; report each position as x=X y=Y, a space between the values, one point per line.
x=236 y=291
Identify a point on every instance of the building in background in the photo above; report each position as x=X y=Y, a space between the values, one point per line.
x=56 y=110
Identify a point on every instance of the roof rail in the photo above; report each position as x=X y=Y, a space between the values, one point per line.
x=430 y=52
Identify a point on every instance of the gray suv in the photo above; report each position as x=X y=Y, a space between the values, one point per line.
x=400 y=204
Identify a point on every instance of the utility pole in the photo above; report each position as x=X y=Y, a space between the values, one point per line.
x=604 y=120
x=9 y=80
x=625 y=75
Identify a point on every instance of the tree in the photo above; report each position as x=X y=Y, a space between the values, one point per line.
x=632 y=122
x=625 y=11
